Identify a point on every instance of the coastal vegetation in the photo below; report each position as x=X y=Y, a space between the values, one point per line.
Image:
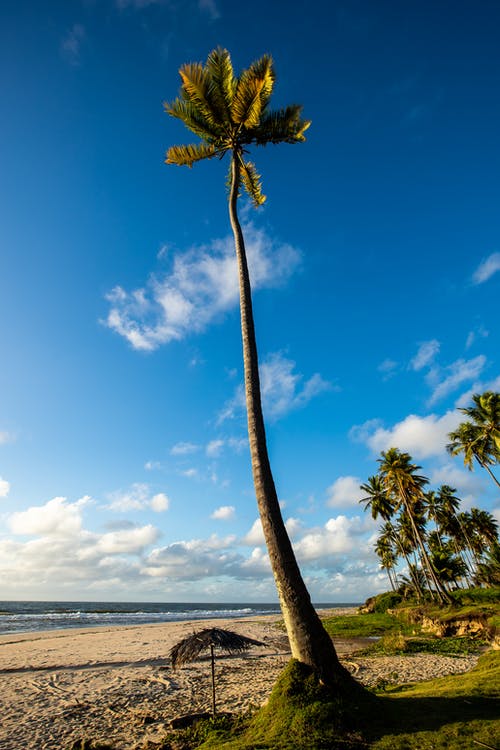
x=440 y=547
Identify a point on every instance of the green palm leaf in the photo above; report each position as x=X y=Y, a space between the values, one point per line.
x=252 y=183
x=190 y=115
x=187 y=155
x=282 y=126
x=196 y=89
x=252 y=93
x=222 y=81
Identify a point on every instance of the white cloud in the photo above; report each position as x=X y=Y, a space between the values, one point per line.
x=339 y=536
x=137 y=497
x=5 y=437
x=344 y=492
x=72 y=43
x=472 y=336
x=388 y=368
x=486 y=269
x=448 y=379
x=420 y=436
x=4 y=487
x=128 y=541
x=184 y=449
x=57 y=517
x=281 y=387
x=159 y=502
x=214 y=448
x=461 y=479
x=425 y=355
x=189 y=473
x=201 y=285
x=224 y=513
x=255 y=537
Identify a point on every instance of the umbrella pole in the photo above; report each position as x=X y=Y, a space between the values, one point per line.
x=213 y=679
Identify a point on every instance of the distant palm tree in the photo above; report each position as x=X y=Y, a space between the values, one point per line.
x=229 y=114
x=406 y=486
x=479 y=438
x=377 y=498
x=488 y=571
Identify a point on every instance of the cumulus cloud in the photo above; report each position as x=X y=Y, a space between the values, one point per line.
x=344 y=492
x=283 y=389
x=426 y=353
x=137 y=497
x=224 y=513
x=420 y=436
x=339 y=536
x=486 y=269
x=159 y=502
x=4 y=487
x=72 y=43
x=57 y=517
x=254 y=537
x=201 y=285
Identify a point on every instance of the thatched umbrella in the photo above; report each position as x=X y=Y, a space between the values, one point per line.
x=211 y=638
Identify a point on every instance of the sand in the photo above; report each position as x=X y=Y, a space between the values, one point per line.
x=116 y=684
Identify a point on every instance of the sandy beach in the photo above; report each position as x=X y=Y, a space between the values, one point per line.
x=116 y=684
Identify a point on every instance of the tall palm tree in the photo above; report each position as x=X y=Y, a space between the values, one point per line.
x=479 y=438
x=406 y=487
x=230 y=113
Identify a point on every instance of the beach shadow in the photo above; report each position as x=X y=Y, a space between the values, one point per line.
x=162 y=663
x=401 y=715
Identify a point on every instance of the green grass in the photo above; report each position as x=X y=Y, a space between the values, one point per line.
x=365 y=625
x=397 y=644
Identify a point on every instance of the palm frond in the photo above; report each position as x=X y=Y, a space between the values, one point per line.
x=253 y=92
x=222 y=80
x=187 y=155
x=263 y=70
x=252 y=183
x=196 y=89
x=190 y=115
x=281 y=126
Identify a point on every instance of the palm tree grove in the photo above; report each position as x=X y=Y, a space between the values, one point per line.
x=437 y=545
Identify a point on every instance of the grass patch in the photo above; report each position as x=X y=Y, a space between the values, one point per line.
x=365 y=625
x=395 y=644
x=450 y=713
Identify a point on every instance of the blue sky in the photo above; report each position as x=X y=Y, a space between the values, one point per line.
x=376 y=266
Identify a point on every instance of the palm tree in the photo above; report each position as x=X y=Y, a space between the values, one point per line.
x=406 y=487
x=229 y=114
x=378 y=499
x=479 y=438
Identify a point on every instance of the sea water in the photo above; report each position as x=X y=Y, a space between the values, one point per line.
x=29 y=616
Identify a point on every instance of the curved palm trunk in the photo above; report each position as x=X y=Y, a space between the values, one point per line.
x=309 y=641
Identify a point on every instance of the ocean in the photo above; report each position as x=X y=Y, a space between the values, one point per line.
x=26 y=617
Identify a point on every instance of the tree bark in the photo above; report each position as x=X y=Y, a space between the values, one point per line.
x=309 y=642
